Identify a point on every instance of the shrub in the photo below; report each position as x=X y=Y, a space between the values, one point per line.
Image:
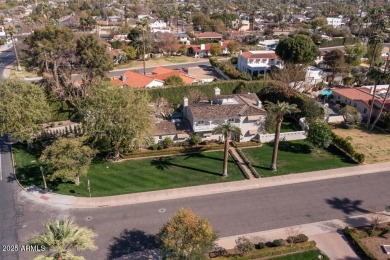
x=167 y=142
x=205 y=142
x=274 y=251
x=301 y=238
x=346 y=147
x=244 y=245
x=277 y=242
x=154 y=147
x=195 y=139
x=260 y=245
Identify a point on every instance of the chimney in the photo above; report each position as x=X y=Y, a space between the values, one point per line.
x=371 y=90
x=123 y=78
x=259 y=104
x=217 y=91
x=185 y=102
x=240 y=52
x=202 y=46
x=221 y=43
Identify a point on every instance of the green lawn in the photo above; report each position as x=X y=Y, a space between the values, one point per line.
x=308 y=255
x=295 y=157
x=134 y=175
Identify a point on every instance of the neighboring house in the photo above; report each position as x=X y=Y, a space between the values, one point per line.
x=268 y=44
x=335 y=21
x=242 y=110
x=116 y=54
x=182 y=37
x=120 y=37
x=114 y=18
x=208 y=36
x=156 y=79
x=177 y=129
x=257 y=62
x=314 y=75
x=2 y=31
x=203 y=50
x=158 y=26
x=137 y=80
x=360 y=98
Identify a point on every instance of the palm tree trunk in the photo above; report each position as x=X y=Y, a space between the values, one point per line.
x=225 y=157
x=276 y=145
x=143 y=56
x=381 y=110
x=77 y=180
x=371 y=106
x=16 y=53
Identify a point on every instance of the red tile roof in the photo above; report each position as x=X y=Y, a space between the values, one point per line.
x=134 y=79
x=164 y=76
x=353 y=93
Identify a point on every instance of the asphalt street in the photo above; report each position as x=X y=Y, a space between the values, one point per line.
x=128 y=230
x=10 y=210
x=7 y=57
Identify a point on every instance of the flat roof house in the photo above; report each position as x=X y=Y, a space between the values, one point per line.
x=257 y=62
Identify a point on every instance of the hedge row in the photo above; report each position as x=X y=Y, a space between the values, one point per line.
x=175 y=95
x=173 y=151
x=355 y=237
x=229 y=69
x=239 y=165
x=248 y=163
x=246 y=144
x=275 y=251
x=339 y=42
x=346 y=147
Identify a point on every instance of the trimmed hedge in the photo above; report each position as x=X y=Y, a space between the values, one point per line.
x=173 y=151
x=246 y=144
x=175 y=95
x=355 y=237
x=276 y=251
x=248 y=163
x=239 y=165
x=229 y=70
x=339 y=42
x=346 y=147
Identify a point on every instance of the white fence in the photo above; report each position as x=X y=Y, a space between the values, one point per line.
x=289 y=136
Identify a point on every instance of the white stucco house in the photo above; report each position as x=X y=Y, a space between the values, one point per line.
x=257 y=62
x=242 y=110
x=335 y=21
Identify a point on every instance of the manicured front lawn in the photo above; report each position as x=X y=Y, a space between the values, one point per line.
x=295 y=157
x=134 y=175
x=308 y=255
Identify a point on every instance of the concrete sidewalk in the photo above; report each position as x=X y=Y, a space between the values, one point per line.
x=143 y=197
x=327 y=234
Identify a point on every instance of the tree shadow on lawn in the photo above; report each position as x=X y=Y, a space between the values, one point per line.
x=133 y=242
x=201 y=155
x=346 y=205
x=165 y=163
x=290 y=147
x=31 y=175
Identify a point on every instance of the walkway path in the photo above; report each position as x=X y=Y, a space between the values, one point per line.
x=143 y=197
x=241 y=161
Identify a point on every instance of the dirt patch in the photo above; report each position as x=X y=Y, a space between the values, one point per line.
x=375 y=146
x=374 y=244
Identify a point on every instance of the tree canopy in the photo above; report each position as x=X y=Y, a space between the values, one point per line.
x=174 y=80
x=113 y=117
x=297 y=49
x=67 y=159
x=23 y=108
x=186 y=236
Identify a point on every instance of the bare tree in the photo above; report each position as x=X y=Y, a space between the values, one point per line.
x=163 y=108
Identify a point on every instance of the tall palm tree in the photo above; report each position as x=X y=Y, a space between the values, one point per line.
x=279 y=109
x=12 y=31
x=385 y=76
x=376 y=74
x=144 y=25
x=60 y=237
x=227 y=130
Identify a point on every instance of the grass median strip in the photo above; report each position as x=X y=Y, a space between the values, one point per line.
x=295 y=157
x=135 y=175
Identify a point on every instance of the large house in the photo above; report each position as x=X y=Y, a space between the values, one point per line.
x=208 y=36
x=242 y=110
x=203 y=50
x=257 y=62
x=335 y=21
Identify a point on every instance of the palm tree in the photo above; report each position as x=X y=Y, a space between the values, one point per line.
x=279 y=110
x=385 y=76
x=227 y=130
x=144 y=25
x=376 y=74
x=60 y=237
x=12 y=31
